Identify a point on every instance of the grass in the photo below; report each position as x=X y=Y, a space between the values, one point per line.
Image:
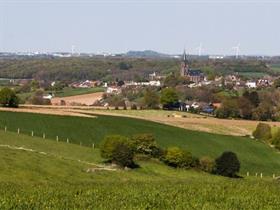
x=68 y=91
x=255 y=156
x=30 y=180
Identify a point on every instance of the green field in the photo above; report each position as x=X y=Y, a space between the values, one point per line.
x=52 y=177
x=68 y=91
x=256 y=157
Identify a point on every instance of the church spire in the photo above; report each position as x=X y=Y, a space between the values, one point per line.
x=185 y=59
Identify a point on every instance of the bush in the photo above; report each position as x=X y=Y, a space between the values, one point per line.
x=8 y=98
x=178 y=158
x=117 y=149
x=227 y=164
x=276 y=139
x=207 y=164
x=146 y=144
x=262 y=132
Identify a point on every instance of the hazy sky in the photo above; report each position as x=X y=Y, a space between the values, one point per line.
x=121 y=25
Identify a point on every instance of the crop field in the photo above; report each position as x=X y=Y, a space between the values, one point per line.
x=256 y=157
x=84 y=99
x=68 y=91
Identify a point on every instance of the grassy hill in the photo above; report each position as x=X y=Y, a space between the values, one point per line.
x=50 y=177
x=255 y=156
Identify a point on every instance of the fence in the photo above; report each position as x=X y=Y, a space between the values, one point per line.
x=44 y=136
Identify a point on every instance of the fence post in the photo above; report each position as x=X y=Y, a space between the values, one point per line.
x=18 y=131
x=67 y=140
x=273 y=176
x=248 y=174
x=57 y=138
x=44 y=136
x=5 y=128
x=261 y=175
x=32 y=133
x=93 y=145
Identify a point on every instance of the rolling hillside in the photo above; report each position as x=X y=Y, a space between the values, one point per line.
x=44 y=174
x=255 y=156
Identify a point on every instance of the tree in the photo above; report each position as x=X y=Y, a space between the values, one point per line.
x=263 y=112
x=253 y=97
x=228 y=109
x=276 y=83
x=207 y=164
x=151 y=99
x=227 y=164
x=38 y=99
x=117 y=149
x=169 y=98
x=8 y=98
x=178 y=158
x=276 y=139
x=245 y=107
x=263 y=132
x=146 y=144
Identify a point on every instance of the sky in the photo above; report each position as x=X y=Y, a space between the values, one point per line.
x=167 y=26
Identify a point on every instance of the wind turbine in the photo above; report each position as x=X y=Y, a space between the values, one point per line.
x=237 y=50
x=200 y=49
x=72 y=49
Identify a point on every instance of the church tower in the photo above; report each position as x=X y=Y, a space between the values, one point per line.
x=184 y=65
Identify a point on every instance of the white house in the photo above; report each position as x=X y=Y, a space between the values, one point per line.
x=251 y=84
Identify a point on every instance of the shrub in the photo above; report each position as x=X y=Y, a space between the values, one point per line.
x=117 y=149
x=276 y=139
x=207 y=164
x=227 y=164
x=178 y=158
x=262 y=132
x=8 y=98
x=146 y=144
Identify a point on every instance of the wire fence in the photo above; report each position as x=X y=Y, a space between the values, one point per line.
x=44 y=135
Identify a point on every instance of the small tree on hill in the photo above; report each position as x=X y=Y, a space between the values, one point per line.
x=8 y=98
x=207 y=164
x=178 y=158
x=146 y=144
x=262 y=132
x=227 y=164
x=117 y=149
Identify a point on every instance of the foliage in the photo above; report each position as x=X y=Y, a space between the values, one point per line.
x=262 y=132
x=276 y=139
x=38 y=98
x=151 y=99
x=117 y=149
x=146 y=144
x=227 y=164
x=168 y=97
x=178 y=158
x=229 y=109
x=8 y=98
x=207 y=164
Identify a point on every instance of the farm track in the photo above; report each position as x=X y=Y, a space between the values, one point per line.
x=94 y=167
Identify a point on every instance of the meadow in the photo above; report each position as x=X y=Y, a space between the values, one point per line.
x=255 y=156
x=39 y=173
